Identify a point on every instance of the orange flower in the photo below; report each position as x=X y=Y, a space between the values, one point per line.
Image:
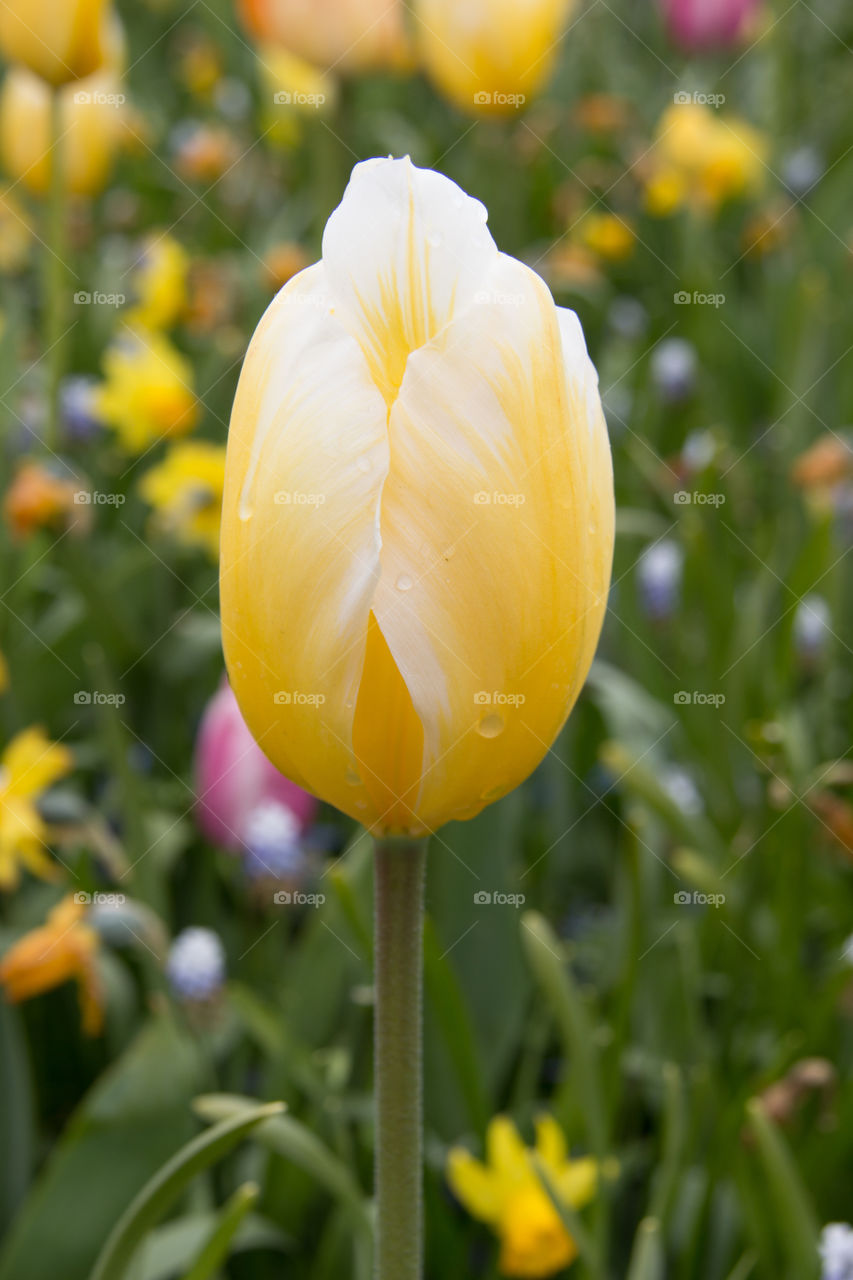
x=38 y=499
x=64 y=947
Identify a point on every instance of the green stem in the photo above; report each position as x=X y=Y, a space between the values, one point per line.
x=398 y=957
x=57 y=271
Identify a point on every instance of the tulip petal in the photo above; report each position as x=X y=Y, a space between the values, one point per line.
x=405 y=250
x=307 y=457
x=497 y=530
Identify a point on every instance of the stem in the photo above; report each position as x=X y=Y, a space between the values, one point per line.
x=399 y=868
x=57 y=272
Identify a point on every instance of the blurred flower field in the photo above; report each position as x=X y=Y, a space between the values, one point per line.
x=639 y=963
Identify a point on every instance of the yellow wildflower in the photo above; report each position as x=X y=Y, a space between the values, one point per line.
x=186 y=491
x=159 y=284
x=506 y=1193
x=147 y=390
x=701 y=159
x=29 y=765
x=64 y=947
x=608 y=236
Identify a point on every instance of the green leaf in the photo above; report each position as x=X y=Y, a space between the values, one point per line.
x=228 y=1221
x=666 y=1178
x=170 y=1249
x=130 y=1122
x=554 y=977
x=647 y=1259
x=292 y=1140
x=16 y=1115
x=451 y=1013
x=158 y=1195
x=794 y=1213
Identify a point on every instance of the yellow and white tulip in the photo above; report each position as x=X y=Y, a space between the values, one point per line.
x=418 y=512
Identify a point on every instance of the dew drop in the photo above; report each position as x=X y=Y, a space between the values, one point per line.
x=352 y=776
x=491 y=725
x=450 y=553
x=435 y=239
x=246 y=509
x=493 y=793
x=364 y=464
x=404 y=582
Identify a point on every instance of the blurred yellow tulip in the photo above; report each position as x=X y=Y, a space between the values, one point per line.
x=91 y=121
x=344 y=35
x=418 y=512
x=59 y=40
x=489 y=57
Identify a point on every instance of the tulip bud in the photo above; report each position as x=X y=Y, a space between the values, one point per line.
x=196 y=964
x=490 y=58
x=233 y=777
x=418 y=514
x=92 y=125
x=58 y=40
x=344 y=35
x=709 y=24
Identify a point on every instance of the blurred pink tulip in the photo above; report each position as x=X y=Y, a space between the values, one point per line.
x=709 y=24
x=233 y=776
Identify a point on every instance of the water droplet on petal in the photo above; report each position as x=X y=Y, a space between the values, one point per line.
x=493 y=793
x=434 y=238
x=404 y=582
x=352 y=776
x=491 y=725
x=364 y=464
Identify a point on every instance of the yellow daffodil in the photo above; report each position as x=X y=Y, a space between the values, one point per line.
x=343 y=35
x=29 y=765
x=418 y=518
x=64 y=947
x=608 y=236
x=490 y=57
x=59 y=40
x=159 y=283
x=507 y=1193
x=147 y=391
x=186 y=491
x=701 y=159
x=92 y=126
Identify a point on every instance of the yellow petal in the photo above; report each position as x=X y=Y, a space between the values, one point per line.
x=59 y=40
x=505 y=1152
x=474 y=1186
x=307 y=457
x=497 y=534
x=31 y=762
x=405 y=250
x=550 y=1142
x=578 y=1181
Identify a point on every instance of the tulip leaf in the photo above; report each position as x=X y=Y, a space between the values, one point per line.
x=795 y=1216
x=157 y=1196
x=451 y=1013
x=228 y=1222
x=647 y=1256
x=674 y=1121
x=169 y=1249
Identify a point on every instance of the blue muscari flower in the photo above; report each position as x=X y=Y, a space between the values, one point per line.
x=659 y=571
x=836 y=1251
x=271 y=843
x=196 y=964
